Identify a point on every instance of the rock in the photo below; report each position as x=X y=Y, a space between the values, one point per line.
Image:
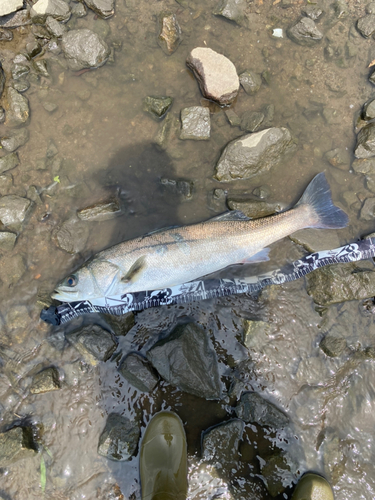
x=365 y=147
x=93 y=341
x=339 y=283
x=338 y=157
x=6 y=35
x=250 y=81
x=10 y=6
x=184 y=188
x=305 y=32
x=34 y=48
x=220 y=444
x=45 y=381
x=366 y=25
x=314 y=486
x=138 y=372
x=16 y=444
x=252 y=408
x=333 y=345
x=254 y=208
x=119 y=439
x=6 y=184
x=253 y=153
x=170 y=35
x=58 y=9
x=216 y=75
x=2 y=115
x=251 y=121
x=55 y=28
x=315 y=240
x=105 y=8
x=104 y=210
x=13 y=209
x=72 y=236
x=255 y=334
x=312 y=11
x=16 y=139
x=2 y=80
x=8 y=162
x=50 y=107
x=186 y=359
x=17 y=108
x=233 y=118
x=261 y=192
x=368 y=209
x=20 y=18
x=41 y=68
x=120 y=325
x=234 y=10
x=341 y=8
x=12 y=269
x=158 y=107
x=7 y=241
x=79 y=10
x=276 y=474
x=20 y=85
x=369 y=110
x=19 y=71
x=196 y=123
x=84 y=49
x=370 y=8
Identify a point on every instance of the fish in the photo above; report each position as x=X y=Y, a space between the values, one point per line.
x=176 y=255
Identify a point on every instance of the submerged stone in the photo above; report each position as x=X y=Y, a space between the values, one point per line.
x=305 y=32
x=20 y=18
x=16 y=444
x=196 y=123
x=72 y=236
x=157 y=106
x=13 y=209
x=8 y=162
x=233 y=118
x=12 y=268
x=105 y=8
x=55 y=28
x=94 y=341
x=20 y=85
x=84 y=49
x=365 y=147
x=253 y=153
x=250 y=81
x=220 y=444
x=7 y=241
x=366 y=25
x=339 y=283
x=234 y=10
x=119 y=439
x=251 y=121
x=16 y=139
x=338 y=157
x=216 y=75
x=369 y=110
x=58 y=9
x=275 y=474
x=120 y=325
x=45 y=381
x=17 y=108
x=252 y=408
x=170 y=35
x=104 y=210
x=19 y=71
x=312 y=11
x=6 y=35
x=186 y=360
x=138 y=372
x=333 y=345
x=368 y=209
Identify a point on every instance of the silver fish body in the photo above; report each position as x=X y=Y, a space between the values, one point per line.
x=178 y=255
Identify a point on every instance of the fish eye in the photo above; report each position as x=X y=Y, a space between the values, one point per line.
x=71 y=280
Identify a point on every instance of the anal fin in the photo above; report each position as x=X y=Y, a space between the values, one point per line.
x=261 y=256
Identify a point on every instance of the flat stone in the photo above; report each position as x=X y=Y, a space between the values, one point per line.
x=220 y=444
x=94 y=341
x=10 y=6
x=252 y=408
x=72 y=236
x=8 y=162
x=365 y=147
x=13 y=209
x=55 y=28
x=119 y=439
x=7 y=241
x=19 y=18
x=104 y=8
x=16 y=139
x=16 y=444
x=196 y=123
x=17 y=108
x=253 y=153
x=251 y=121
x=315 y=240
x=186 y=360
x=366 y=25
x=157 y=106
x=250 y=81
x=138 y=372
x=233 y=118
x=45 y=381
x=340 y=283
x=84 y=49
x=216 y=75
x=333 y=345
x=305 y=32
x=58 y=9
x=170 y=34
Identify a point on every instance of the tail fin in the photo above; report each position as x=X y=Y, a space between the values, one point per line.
x=324 y=214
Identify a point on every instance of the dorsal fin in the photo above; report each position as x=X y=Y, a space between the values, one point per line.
x=230 y=215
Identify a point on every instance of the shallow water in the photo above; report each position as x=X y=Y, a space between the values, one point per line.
x=107 y=144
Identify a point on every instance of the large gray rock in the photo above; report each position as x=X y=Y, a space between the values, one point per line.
x=119 y=439
x=186 y=360
x=305 y=32
x=170 y=35
x=9 y=6
x=253 y=153
x=84 y=49
x=8 y=162
x=58 y=9
x=365 y=147
x=105 y=8
x=216 y=75
x=220 y=444
x=253 y=408
x=17 y=108
x=195 y=123
x=138 y=372
x=16 y=444
x=13 y=209
x=93 y=341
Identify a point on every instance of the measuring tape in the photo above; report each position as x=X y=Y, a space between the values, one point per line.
x=209 y=288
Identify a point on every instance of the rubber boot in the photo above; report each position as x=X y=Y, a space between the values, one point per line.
x=163 y=462
x=313 y=487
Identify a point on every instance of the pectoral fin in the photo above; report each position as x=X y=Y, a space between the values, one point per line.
x=136 y=269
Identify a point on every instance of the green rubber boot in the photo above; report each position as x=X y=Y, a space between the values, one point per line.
x=313 y=487
x=163 y=462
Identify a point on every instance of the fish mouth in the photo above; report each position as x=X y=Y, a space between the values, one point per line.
x=64 y=295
